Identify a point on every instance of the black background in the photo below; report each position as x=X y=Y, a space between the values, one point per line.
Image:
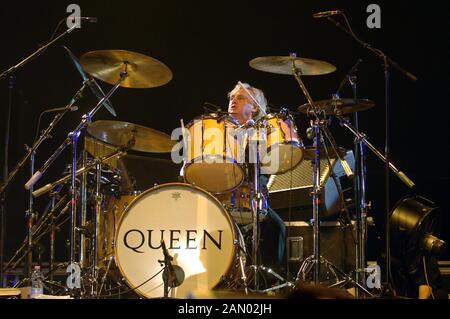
x=207 y=45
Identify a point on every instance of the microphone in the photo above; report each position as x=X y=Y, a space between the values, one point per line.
x=325 y=14
x=71 y=108
x=93 y=85
x=173 y=274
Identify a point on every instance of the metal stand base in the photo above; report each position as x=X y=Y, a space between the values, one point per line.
x=260 y=271
x=338 y=275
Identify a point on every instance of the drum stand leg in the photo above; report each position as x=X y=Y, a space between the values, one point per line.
x=311 y=263
x=319 y=126
x=104 y=277
x=242 y=268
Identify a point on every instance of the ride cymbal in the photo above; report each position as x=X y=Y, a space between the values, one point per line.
x=284 y=65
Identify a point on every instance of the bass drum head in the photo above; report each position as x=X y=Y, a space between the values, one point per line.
x=197 y=231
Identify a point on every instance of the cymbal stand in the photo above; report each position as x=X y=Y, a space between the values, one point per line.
x=319 y=127
x=316 y=126
x=96 y=227
x=362 y=207
x=361 y=137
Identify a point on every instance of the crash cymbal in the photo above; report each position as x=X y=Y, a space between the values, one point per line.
x=309 y=153
x=283 y=65
x=344 y=106
x=143 y=71
x=122 y=134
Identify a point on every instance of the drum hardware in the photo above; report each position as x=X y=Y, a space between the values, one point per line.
x=93 y=85
x=387 y=64
x=362 y=207
x=320 y=130
x=299 y=67
x=122 y=65
x=45 y=189
x=37 y=230
x=255 y=138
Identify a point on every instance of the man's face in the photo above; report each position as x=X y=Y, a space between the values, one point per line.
x=240 y=105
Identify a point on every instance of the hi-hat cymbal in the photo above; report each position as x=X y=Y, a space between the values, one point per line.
x=284 y=64
x=143 y=71
x=344 y=106
x=132 y=136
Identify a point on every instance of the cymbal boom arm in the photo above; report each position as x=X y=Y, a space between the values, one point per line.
x=362 y=137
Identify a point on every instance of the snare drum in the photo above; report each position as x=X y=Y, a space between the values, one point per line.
x=214 y=156
x=197 y=231
x=284 y=146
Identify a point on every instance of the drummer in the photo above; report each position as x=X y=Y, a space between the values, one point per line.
x=246 y=109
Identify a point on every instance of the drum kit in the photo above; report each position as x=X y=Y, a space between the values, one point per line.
x=119 y=237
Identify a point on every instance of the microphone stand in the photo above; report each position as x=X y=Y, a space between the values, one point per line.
x=169 y=274
x=31 y=152
x=5 y=177
x=14 y=68
x=72 y=138
x=387 y=62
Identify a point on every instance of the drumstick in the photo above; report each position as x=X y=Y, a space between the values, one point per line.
x=254 y=100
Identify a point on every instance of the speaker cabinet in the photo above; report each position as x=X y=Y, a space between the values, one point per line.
x=337 y=244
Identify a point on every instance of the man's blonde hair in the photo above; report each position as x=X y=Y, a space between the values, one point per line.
x=257 y=94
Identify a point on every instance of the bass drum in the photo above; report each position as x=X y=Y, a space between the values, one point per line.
x=198 y=233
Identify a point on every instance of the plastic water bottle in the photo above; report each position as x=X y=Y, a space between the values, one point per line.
x=37 y=283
